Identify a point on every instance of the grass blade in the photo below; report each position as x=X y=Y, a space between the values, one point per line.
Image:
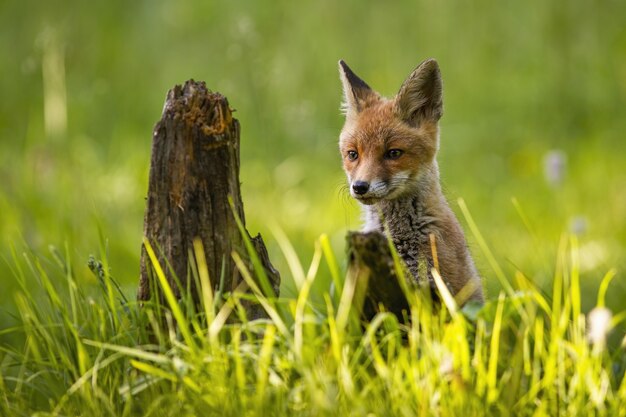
x=183 y=325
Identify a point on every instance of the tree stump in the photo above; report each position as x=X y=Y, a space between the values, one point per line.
x=194 y=171
x=371 y=264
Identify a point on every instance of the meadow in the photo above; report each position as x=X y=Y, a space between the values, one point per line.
x=532 y=146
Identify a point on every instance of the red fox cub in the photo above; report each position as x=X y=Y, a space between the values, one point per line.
x=388 y=148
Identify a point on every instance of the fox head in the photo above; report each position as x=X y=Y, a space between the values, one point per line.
x=388 y=146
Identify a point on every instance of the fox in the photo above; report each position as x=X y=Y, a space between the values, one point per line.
x=388 y=148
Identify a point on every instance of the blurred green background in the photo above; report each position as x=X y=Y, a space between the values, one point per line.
x=526 y=84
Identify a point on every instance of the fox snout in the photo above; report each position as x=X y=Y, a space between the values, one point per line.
x=365 y=190
x=370 y=191
x=360 y=187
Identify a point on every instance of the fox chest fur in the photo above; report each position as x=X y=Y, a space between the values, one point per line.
x=388 y=148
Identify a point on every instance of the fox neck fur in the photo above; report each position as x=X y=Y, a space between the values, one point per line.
x=410 y=221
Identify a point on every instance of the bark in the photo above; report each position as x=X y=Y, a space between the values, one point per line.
x=194 y=171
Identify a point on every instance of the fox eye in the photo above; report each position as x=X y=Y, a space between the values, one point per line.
x=393 y=154
x=352 y=155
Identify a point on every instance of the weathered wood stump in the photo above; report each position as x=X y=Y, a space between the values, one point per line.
x=194 y=171
x=371 y=263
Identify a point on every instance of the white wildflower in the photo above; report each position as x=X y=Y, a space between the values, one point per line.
x=578 y=225
x=599 y=325
x=554 y=167
x=446 y=366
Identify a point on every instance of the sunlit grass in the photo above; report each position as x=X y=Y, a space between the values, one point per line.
x=522 y=81
x=511 y=97
x=522 y=353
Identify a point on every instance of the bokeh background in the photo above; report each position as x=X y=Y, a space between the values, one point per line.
x=535 y=96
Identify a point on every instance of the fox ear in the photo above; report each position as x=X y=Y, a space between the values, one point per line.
x=357 y=94
x=421 y=95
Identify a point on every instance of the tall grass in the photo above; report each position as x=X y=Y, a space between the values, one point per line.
x=522 y=79
x=522 y=353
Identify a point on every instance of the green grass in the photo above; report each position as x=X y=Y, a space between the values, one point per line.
x=521 y=79
x=522 y=353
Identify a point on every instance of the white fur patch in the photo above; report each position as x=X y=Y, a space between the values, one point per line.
x=402 y=175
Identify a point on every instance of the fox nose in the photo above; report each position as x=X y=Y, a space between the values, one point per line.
x=360 y=187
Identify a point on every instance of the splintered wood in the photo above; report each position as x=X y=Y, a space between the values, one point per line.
x=194 y=172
